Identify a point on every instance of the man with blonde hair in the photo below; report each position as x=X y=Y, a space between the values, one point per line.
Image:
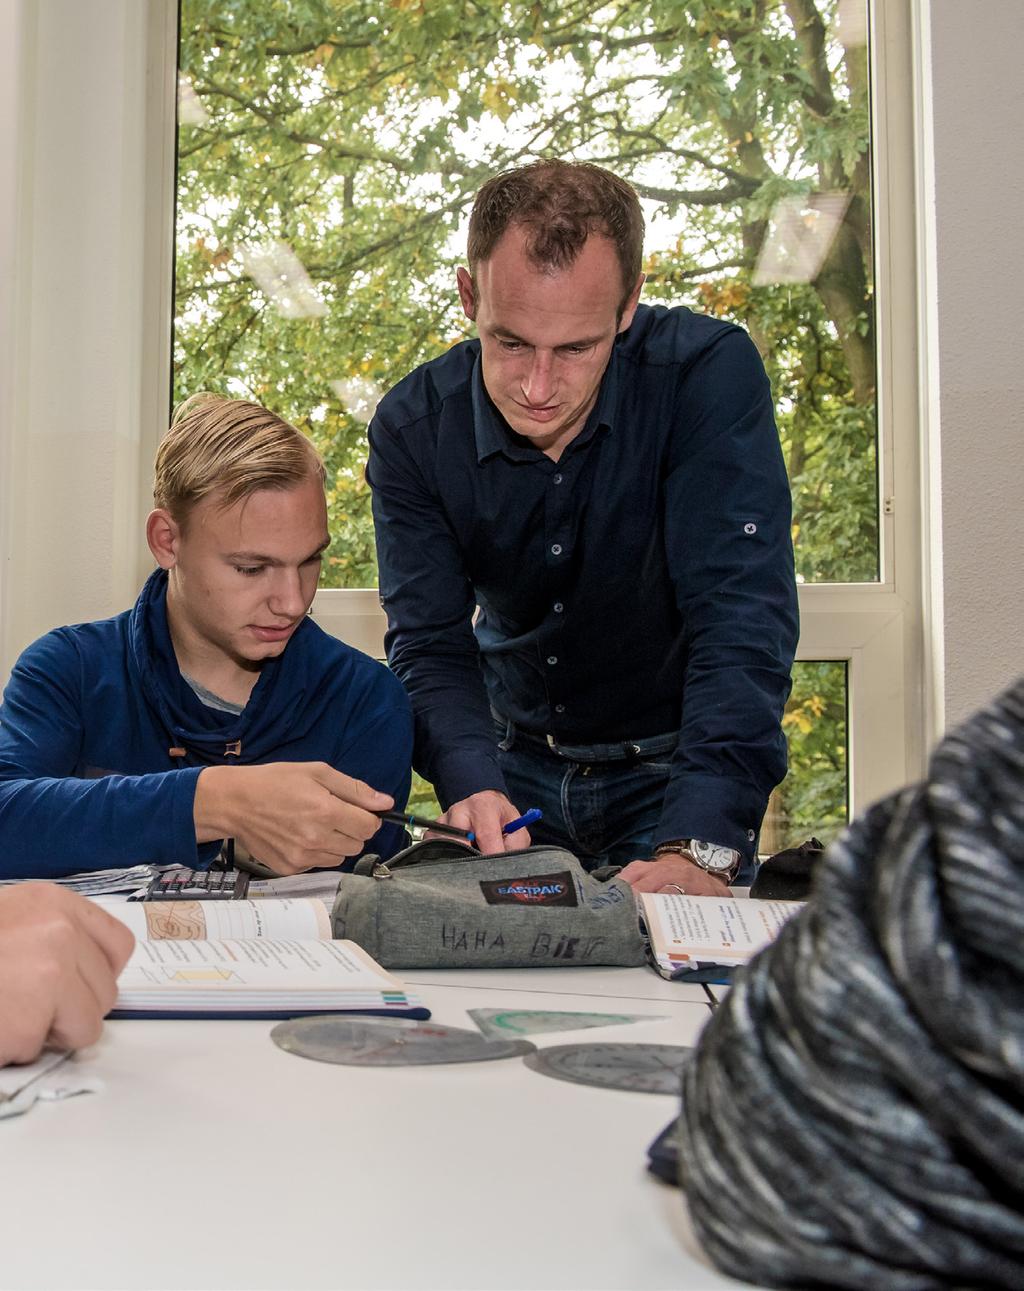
x=214 y=708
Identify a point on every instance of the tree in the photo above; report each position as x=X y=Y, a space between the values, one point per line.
x=355 y=133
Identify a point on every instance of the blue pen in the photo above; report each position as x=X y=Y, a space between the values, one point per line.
x=527 y=818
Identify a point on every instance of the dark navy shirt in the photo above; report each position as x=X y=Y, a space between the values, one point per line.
x=642 y=584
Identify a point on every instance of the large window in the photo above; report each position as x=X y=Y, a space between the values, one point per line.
x=328 y=154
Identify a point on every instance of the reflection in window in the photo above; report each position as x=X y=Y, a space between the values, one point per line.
x=329 y=152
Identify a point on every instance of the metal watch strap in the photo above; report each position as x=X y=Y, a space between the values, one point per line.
x=684 y=847
x=680 y=845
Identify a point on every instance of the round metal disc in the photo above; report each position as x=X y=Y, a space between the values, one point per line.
x=388 y=1042
x=643 y=1068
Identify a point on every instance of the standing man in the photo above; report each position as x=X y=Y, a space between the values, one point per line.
x=604 y=480
x=214 y=708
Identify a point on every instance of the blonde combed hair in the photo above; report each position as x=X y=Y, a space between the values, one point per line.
x=228 y=447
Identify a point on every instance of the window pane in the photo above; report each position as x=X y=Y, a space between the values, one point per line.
x=329 y=152
x=812 y=801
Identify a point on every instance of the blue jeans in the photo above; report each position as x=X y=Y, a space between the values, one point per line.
x=600 y=801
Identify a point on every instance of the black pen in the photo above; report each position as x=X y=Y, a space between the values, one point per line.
x=421 y=822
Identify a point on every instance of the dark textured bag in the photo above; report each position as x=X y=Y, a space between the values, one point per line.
x=788 y=875
x=438 y=905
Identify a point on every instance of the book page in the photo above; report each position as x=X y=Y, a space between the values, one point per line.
x=711 y=930
x=283 y=918
x=259 y=965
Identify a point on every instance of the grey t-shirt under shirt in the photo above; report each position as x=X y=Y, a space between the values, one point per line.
x=211 y=700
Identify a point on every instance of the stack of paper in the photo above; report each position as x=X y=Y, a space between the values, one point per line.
x=93 y=883
x=321 y=884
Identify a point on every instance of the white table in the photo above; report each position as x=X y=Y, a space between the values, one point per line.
x=212 y=1159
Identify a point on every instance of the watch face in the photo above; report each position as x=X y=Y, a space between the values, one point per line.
x=711 y=857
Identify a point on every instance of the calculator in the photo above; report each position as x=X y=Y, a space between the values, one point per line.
x=198 y=885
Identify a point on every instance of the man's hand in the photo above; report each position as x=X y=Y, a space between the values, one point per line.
x=59 y=960
x=292 y=816
x=485 y=813
x=672 y=872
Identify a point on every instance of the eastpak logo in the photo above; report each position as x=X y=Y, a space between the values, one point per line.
x=539 y=889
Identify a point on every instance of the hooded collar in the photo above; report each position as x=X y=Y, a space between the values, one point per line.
x=205 y=733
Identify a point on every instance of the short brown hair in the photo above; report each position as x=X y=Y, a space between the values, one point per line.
x=230 y=447
x=559 y=204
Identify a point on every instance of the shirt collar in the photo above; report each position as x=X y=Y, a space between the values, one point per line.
x=493 y=435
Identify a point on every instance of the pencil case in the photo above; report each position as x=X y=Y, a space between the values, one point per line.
x=438 y=905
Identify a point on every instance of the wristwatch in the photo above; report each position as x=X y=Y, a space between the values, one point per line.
x=722 y=862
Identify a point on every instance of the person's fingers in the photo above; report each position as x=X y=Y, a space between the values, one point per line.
x=298 y=861
x=483 y=822
x=114 y=939
x=346 y=821
x=349 y=790
x=646 y=882
x=77 y=1022
x=357 y=825
x=458 y=815
x=349 y=843
x=489 y=837
x=85 y=997
x=24 y=1026
x=681 y=878
x=517 y=841
x=634 y=871
x=94 y=971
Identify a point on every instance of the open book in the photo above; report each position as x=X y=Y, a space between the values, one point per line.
x=234 y=959
x=689 y=935
x=285 y=918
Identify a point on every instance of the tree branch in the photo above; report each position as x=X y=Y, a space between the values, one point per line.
x=697 y=196
x=703 y=271
x=810 y=39
x=275 y=119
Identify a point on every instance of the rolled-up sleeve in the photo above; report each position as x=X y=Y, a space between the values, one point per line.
x=729 y=549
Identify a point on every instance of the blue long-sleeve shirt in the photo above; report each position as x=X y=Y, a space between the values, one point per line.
x=640 y=585
x=102 y=740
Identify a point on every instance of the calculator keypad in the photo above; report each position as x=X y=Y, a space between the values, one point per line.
x=198 y=885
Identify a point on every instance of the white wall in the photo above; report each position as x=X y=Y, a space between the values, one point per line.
x=74 y=426
x=10 y=164
x=972 y=52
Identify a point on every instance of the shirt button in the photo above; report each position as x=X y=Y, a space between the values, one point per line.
x=558 y=607
x=556 y=479
x=552 y=659
x=556 y=549
x=559 y=708
x=750 y=835
x=750 y=528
